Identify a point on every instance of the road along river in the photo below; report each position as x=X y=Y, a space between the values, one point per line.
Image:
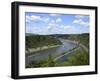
x=54 y=52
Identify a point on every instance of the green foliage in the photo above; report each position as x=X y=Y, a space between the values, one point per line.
x=35 y=41
x=80 y=58
x=82 y=38
x=50 y=61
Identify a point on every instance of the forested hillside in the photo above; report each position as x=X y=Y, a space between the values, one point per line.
x=35 y=41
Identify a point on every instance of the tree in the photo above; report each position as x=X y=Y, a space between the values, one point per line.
x=50 y=61
x=80 y=58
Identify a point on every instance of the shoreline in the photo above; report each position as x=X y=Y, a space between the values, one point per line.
x=40 y=49
x=31 y=50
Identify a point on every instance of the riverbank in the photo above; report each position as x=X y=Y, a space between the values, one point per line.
x=73 y=49
x=71 y=41
x=31 y=50
x=82 y=45
x=66 y=53
x=79 y=44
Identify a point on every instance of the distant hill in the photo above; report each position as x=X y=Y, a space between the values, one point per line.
x=58 y=35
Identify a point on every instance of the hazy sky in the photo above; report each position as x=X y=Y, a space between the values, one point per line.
x=48 y=23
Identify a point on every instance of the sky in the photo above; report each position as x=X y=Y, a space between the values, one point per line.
x=55 y=23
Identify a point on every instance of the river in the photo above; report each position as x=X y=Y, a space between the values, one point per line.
x=43 y=54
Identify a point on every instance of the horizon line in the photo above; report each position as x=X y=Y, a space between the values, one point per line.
x=58 y=34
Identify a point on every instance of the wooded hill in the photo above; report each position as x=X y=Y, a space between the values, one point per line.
x=35 y=41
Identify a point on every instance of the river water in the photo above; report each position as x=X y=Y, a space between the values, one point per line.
x=42 y=55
